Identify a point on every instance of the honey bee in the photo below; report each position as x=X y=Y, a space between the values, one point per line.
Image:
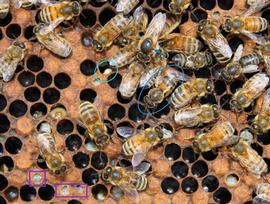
x=193 y=61
x=110 y=31
x=125 y=6
x=176 y=42
x=262 y=191
x=149 y=76
x=264 y=51
x=53 y=158
x=217 y=43
x=10 y=59
x=28 y=4
x=178 y=7
x=187 y=92
x=251 y=90
x=196 y=116
x=172 y=22
x=4 y=8
x=91 y=119
x=249 y=158
x=221 y=134
x=131 y=80
x=138 y=145
x=52 y=41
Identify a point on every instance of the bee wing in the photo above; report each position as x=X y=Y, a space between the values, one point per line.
x=9 y=71
x=148 y=75
x=266 y=101
x=250 y=68
x=137 y=158
x=46 y=2
x=17 y=3
x=256 y=7
x=183 y=77
x=156 y=26
x=132 y=193
x=51 y=26
x=142 y=168
x=255 y=37
x=260 y=199
x=222 y=45
x=122 y=6
x=125 y=131
x=238 y=53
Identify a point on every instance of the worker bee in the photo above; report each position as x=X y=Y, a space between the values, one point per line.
x=176 y=42
x=221 y=134
x=262 y=191
x=131 y=79
x=47 y=147
x=255 y=6
x=193 y=61
x=178 y=7
x=149 y=76
x=217 y=43
x=251 y=90
x=110 y=31
x=91 y=119
x=172 y=22
x=10 y=59
x=52 y=41
x=249 y=158
x=188 y=91
x=196 y=116
x=4 y=8
x=138 y=145
x=125 y=6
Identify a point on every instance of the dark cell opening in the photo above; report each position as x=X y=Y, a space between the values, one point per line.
x=208 y=99
x=124 y=163
x=166 y=4
x=114 y=80
x=154 y=3
x=88 y=18
x=13 y=145
x=32 y=94
x=198 y=15
x=17 y=108
x=13 y=31
x=73 y=201
x=46 y=193
x=121 y=99
x=99 y=160
x=222 y=195
x=51 y=95
x=73 y=142
x=26 y=78
x=149 y=14
x=1 y=149
x=210 y=183
x=38 y=108
x=19 y=68
x=90 y=176
x=169 y=185
x=248 y=202
x=208 y=5
x=225 y=4
x=258 y=148
x=189 y=185
x=124 y=124
x=189 y=155
x=220 y=87
x=62 y=80
x=99 y=192
x=109 y=126
x=141 y=93
x=1 y=34
x=266 y=15
x=3 y=102
x=11 y=193
x=172 y=151
x=2 y=200
x=34 y=63
x=81 y=160
x=236 y=85
x=37 y=19
x=5 y=21
x=86 y=39
x=97 y=3
x=44 y=79
x=88 y=95
x=164 y=111
x=210 y=155
x=5 y=124
x=28 y=193
x=134 y=113
x=194 y=4
x=87 y=67
x=81 y=130
x=179 y=169
x=41 y=163
x=29 y=34
x=184 y=18
x=203 y=73
x=6 y=162
x=264 y=139
x=267 y=161
x=116 y=112
x=199 y=168
x=235 y=42
x=106 y=15
x=225 y=101
x=3 y=182
x=65 y=127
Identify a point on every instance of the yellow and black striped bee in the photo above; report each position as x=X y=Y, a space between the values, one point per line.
x=4 y=8
x=262 y=191
x=178 y=7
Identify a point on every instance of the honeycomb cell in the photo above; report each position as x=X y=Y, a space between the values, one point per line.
x=169 y=185
x=189 y=185
x=210 y=155
x=44 y=79
x=34 y=63
x=266 y=15
x=199 y=168
x=258 y=148
x=73 y=142
x=263 y=139
x=26 y=78
x=62 y=80
x=234 y=42
x=210 y=183
x=114 y=80
x=99 y=192
x=38 y=109
x=17 y=108
x=73 y=201
x=116 y=112
x=88 y=18
x=88 y=67
x=180 y=169
x=3 y=102
x=135 y=114
x=5 y=124
x=198 y=15
x=90 y=176
x=225 y=4
x=13 y=31
x=6 y=162
x=99 y=160
x=29 y=34
x=13 y=145
x=225 y=101
x=51 y=96
x=222 y=195
x=86 y=39
x=189 y=155
x=234 y=86
x=88 y=95
x=3 y=182
x=220 y=87
x=172 y=151
x=65 y=127
x=203 y=73
x=154 y=3
x=232 y=180
x=46 y=193
x=81 y=160
x=5 y=21
x=97 y=3
x=41 y=163
x=121 y=99
x=28 y=193
x=11 y=193
x=209 y=98
x=208 y=5
x=106 y=15
x=32 y=94
x=165 y=109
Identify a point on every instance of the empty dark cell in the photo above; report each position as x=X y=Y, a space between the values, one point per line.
x=179 y=169
x=149 y=14
x=5 y=21
x=208 y=99
x=109 y=126
x=208 y=5
x=121 y=99
x=62 y=80
x=165 y=109
x=154 y=3
x=87 y=67
x=135 y=114
x=46 y=193
x=28 y=193
x=38 y=108
x=73 y=142
x=1 y=34
x=88 y=95
x=236 y=85
x=266 y=15
x=220 y=87
x=37 y=19
x=73 y=201
x=2 y=200
x=65 y=127
x=198 y=15
x=184 y=18
x=172 y=151
x=267 y=161
x=189 y=155
x=51 y=95
x=116 y=112
x=17 y=108
x=26 y=78
x=99 y=192
x=32 y=94
x=97 y=3
x=203 y=73
x=199 y=168
x=3 y=102
x=210 y=155
x=106 y=15
x=6 y=162
x=11 y=193
x=249 y=108
x=99 y=160
x=5 y=124
x=124 y=163
x=169 y=185
x=222 y=195
x=44 y=79
x=235 y=42
x=88 y=18
x=19 y=68
x=1 y=149
x=264 y=139
x=189 y=185
x=166 y=4
x=13 y=31
x=225 y=102
x=225 y=4
x=81 y=130
x=194 y=4
x=114 y=80
x=210 y=183
x=3 y=182
x=13 y=145
x=248 y=202
x=34 y=63
x=90 y=176
x=41 y=163
x=258 y=148
x=81 y=160
x=29 y=34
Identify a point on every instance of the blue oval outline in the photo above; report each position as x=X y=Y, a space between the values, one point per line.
x=97 y=66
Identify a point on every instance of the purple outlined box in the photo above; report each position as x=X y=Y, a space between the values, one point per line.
x=72 y=187
x=41 y=173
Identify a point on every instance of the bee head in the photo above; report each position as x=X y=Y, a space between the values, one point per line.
x=196 y=146
x=202 y=25
x=56 y=165
x=209 y=86
x=98 y=46
x=215 y=111
x=235 y=105
x=106 y=174
x=76 y=8
x=256 y=129
x=19 y=44
x=175 y=9
x=228 y=25
x=102 y=140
